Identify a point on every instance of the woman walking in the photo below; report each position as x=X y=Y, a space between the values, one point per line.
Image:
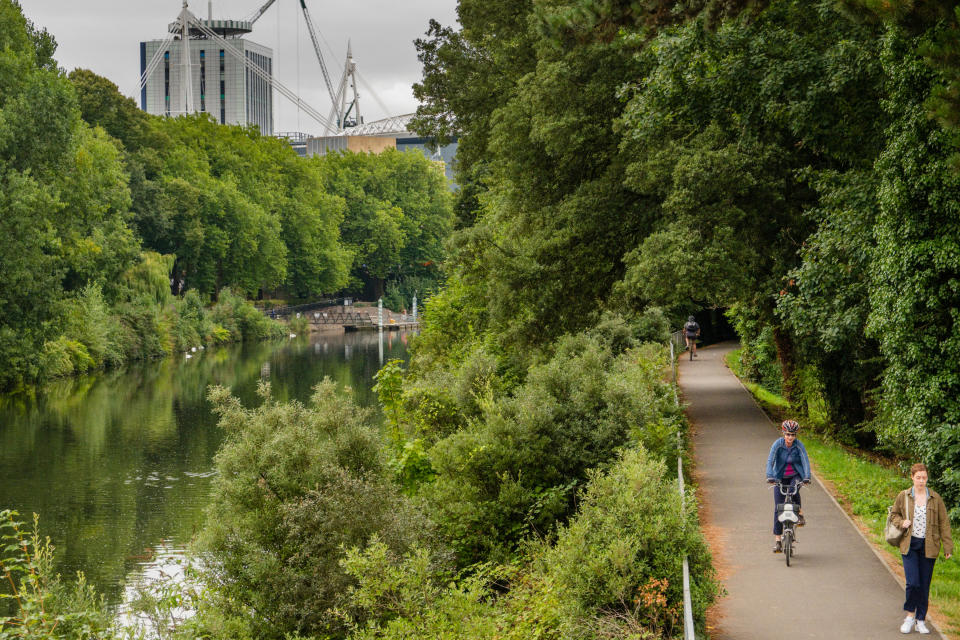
x=921 y=510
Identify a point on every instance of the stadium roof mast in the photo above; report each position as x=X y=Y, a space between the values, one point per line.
x=349 y=76
x=340 y=111
x=186 y=25
x=185 y=59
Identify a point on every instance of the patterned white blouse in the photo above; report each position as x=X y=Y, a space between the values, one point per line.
x=919 y=521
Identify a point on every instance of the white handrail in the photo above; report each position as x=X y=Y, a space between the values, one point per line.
x=688 y=629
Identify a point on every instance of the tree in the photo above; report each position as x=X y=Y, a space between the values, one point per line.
x=398 y=213
x=102 y=104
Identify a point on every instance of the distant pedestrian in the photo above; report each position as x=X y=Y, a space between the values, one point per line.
x=921 y=510
x=691 y=331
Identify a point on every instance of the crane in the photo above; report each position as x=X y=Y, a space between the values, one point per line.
x=259 y=12
x=334 y=96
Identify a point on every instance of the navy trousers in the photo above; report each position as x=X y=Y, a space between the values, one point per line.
x=918 y=570
x=778 y=498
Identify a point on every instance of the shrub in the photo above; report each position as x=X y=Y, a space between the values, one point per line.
x=242 y=319
x=296 y=485
x=514 y=470
x=620 y=333
x=91 y=323
x=618 y=564
x=405 y=597
x=56 y=360
x=758 y=359
x=45 y=607
x=299 y=325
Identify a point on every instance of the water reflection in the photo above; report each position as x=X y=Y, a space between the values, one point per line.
x=118 y=464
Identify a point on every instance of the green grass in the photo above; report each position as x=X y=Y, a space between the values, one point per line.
x=865 y=486
x=771 y=402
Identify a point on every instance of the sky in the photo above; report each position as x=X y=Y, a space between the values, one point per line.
x=104 y=36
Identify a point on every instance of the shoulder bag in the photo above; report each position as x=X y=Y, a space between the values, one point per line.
x=891 y=532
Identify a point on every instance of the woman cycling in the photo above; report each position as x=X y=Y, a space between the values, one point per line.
x=787 y=463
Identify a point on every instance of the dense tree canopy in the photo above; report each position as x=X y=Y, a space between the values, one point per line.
x=791 y=162
x=96 y=196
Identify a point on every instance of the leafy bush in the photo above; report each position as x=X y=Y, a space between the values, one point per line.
x=296 y=485
x=618 y=564
x=405 y=597
x=90 y=321
x=758 y=359
x=242 y=319
x=514 y=470
x=45 y=607
x=615 y=571
x=620 y=333
x=299 y=325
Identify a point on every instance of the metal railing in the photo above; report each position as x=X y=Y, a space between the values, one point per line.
x=301 y=308
x=688 y=628
x=340 y=317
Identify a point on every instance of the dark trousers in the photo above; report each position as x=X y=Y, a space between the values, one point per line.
x=918 y=569
x=778 y=499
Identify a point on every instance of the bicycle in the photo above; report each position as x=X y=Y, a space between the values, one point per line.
x=787 y=515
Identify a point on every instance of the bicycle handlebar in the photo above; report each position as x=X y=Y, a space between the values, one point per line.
x=792 y=488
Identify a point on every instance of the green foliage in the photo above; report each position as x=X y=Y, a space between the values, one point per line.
x=299 y=325
x=914 y=295
x=404 y=597
x=398 y=213
x=758 y=359
x=45 y=606
x=149 y=277
x=296 y=486
x=613 y=572
x=242 y=319
x=513 y=471
x=617 y=563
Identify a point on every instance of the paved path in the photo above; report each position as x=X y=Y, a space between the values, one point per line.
x=836 y=588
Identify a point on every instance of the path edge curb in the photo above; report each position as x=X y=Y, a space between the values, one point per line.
x=846 y=515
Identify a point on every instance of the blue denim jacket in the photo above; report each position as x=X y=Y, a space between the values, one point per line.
x=777 y=460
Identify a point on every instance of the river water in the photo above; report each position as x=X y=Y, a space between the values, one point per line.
x=119 y=464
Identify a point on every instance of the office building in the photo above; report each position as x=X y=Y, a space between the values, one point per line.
x=222 y=84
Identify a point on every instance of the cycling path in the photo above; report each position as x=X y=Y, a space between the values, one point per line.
x=836 y=588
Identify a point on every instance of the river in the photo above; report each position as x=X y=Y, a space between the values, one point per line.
x=119 y=464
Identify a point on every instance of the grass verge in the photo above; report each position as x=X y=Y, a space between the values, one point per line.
x=864 y=487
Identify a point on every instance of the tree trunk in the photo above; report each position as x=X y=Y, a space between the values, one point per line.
x=784 y=344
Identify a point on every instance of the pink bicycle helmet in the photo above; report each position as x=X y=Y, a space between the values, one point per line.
x=790 y=426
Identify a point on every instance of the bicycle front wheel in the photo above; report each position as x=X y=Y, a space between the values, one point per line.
x=787 y=545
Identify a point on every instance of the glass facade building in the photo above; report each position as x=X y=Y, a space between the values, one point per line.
x=222 y=84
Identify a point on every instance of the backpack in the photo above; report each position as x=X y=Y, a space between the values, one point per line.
x=691 y=328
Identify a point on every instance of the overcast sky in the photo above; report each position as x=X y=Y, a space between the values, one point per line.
x=105 y=36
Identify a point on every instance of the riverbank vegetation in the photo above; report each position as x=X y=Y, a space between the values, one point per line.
x=535 y=505
x=108 y=210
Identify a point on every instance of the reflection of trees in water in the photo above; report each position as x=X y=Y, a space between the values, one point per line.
x=115 y=462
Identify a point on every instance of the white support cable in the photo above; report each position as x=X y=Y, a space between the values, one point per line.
x=334 y=110
x=154 y=62
x=186 y=75
x=287 y=93
x=376 y=98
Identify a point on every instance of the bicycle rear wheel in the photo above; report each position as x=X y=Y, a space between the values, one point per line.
x=787 y=545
